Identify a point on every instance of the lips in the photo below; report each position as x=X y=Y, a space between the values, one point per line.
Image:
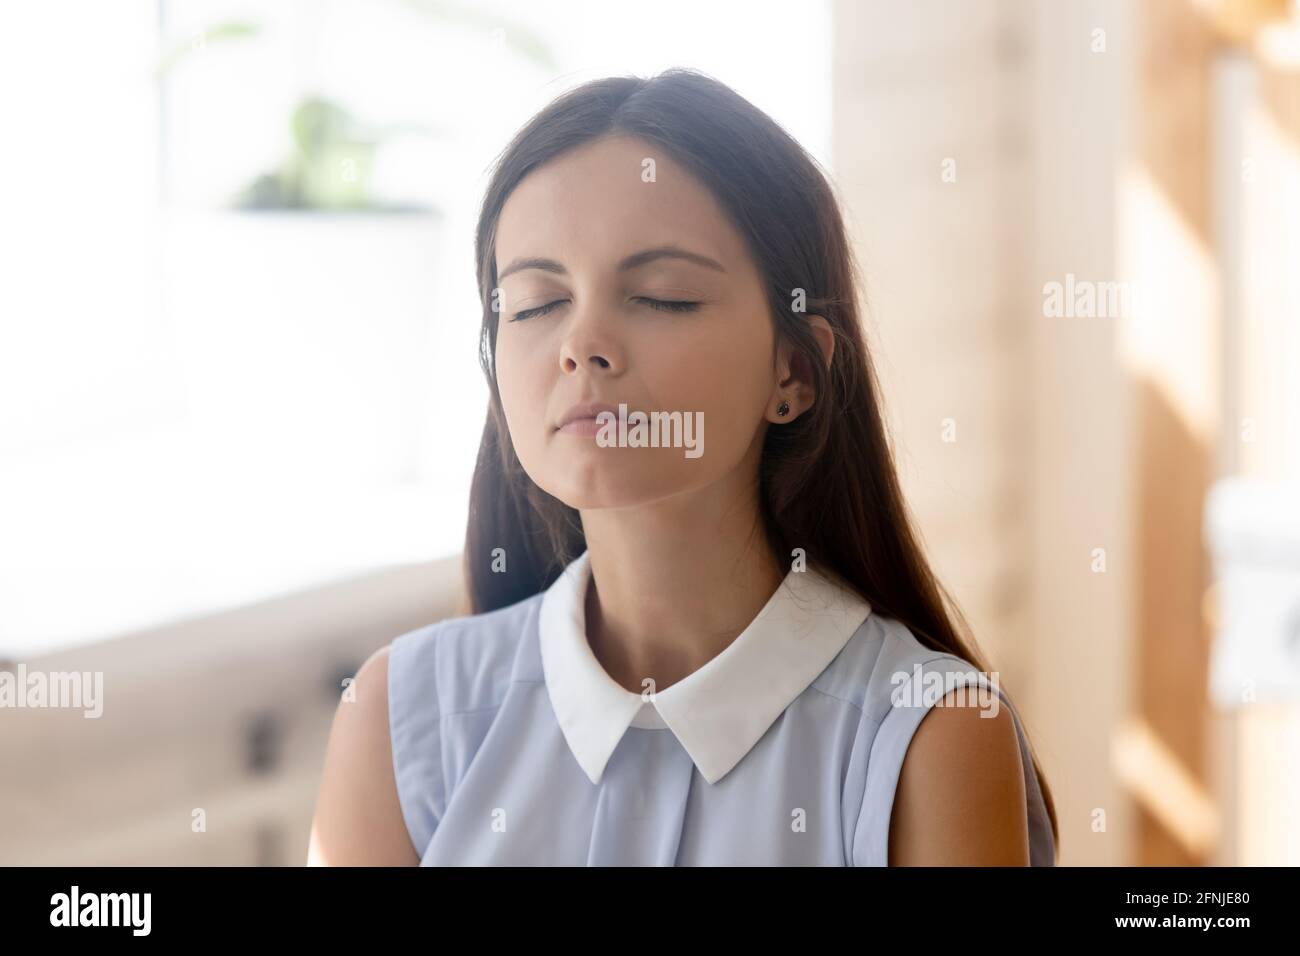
x=578 y=412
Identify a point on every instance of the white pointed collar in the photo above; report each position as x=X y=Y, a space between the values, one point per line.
x=719 y=711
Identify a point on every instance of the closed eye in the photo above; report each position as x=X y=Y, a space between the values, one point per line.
x=664 y=305
x=540 y=310
x=661 y=305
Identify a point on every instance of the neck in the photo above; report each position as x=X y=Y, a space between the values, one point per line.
x=674 y=583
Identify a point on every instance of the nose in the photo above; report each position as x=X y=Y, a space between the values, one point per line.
x=590 y=345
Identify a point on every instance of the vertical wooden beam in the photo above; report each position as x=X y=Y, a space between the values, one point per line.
x=1174 y=354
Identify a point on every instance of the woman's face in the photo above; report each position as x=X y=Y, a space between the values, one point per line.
x=621 y=237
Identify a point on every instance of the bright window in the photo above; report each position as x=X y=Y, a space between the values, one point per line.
x=238 y=326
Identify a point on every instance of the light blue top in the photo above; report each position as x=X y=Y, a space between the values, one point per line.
x=511 y=745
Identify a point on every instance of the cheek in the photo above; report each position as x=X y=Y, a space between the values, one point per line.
x=519 y=381
x=726 y=374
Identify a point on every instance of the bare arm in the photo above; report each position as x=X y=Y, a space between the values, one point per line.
x=358 y=820
x=961 y=792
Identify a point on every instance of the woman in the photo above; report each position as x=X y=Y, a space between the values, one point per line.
x=681 y=651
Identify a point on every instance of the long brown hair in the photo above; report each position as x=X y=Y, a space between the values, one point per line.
x=827 y=479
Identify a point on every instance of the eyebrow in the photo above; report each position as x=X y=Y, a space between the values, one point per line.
x=634 y=261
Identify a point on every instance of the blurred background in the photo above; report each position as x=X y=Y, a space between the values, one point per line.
x=240 y=400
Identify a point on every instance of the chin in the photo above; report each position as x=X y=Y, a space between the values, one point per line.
x=633 y=489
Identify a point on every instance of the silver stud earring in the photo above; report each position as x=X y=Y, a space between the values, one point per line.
x=783 y=409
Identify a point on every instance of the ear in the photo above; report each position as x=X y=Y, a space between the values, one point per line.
x=794 y=377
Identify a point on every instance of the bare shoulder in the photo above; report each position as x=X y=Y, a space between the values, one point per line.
x=358 y=820
x=961 y=791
